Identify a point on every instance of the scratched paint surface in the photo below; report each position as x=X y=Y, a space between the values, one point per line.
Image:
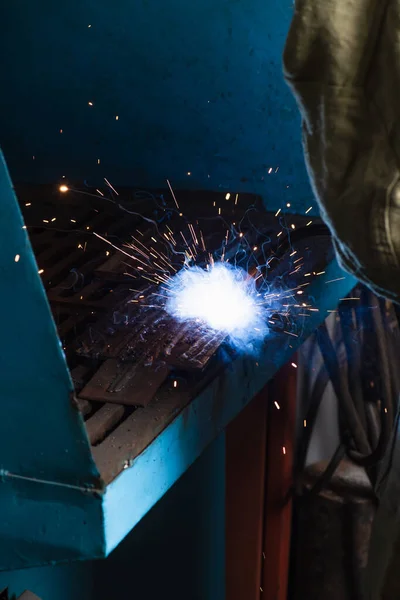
x=145 y=90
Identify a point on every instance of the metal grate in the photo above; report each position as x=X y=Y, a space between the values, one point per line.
x=133 y=367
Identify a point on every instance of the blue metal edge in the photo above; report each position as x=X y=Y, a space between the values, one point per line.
x=155 y=470
x=50 y=487
x=46 y=523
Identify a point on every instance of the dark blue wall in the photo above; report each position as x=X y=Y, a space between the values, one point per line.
x=197 y=87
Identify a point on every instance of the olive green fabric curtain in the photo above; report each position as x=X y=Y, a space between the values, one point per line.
x=342 y=62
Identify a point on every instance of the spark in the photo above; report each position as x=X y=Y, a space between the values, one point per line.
x=172 y=193
x=290 y=333
x=283 y=449
x=175 y=384
x=278 y=211
x=17 y=257
x=227 y=196
x=63 y=189
x=119 y=249
x=277 y=405
x=333 y=280
x=308 y=210
x=90 y=103
x=110 y=186
x=294 y=365
x=309 y=223
x=41 y=271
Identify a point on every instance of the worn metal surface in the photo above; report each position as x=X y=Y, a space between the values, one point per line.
x=215 y=116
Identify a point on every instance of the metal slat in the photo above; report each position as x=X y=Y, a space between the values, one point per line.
x=125 y=383
x=103 y=421
x=84 y=406
x=137 y=431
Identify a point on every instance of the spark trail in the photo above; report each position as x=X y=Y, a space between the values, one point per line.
x=224 y=288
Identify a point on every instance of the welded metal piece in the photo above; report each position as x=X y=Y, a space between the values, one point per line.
x=125 y=382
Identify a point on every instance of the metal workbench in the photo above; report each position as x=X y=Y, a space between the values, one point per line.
x=79 y=469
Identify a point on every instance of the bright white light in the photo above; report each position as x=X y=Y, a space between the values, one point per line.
x=223 y=298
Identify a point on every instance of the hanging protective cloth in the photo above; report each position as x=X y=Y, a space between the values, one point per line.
x=342 y=63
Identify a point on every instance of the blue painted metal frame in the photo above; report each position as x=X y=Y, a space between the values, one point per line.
x=36 y=389
x=48 y=479
x=52 y=501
